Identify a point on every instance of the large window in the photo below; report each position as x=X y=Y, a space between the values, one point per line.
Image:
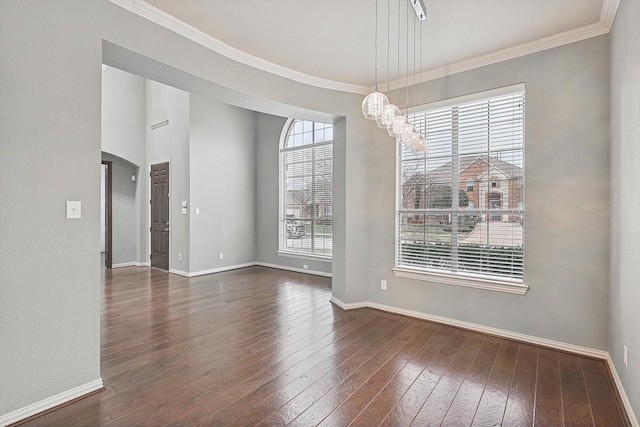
x=307 y=189
x=460 y=212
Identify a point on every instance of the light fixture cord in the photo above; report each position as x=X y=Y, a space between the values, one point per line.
x=388 y=48
x=407 y=15
x=420 y=83
x=398 y=51
x=376 y=45
x=414 y=62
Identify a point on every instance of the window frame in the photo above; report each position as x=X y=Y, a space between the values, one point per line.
x=487 y=282
x=282 y=214
x=470 y=188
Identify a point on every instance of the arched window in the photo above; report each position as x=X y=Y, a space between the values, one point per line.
x=306 y=184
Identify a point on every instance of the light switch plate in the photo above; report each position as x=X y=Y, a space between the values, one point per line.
x=74 y=209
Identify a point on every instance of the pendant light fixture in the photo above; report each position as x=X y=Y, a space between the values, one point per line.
x=407 y=129
x=420 y=145
x=374 y=103
x=399 y=121
x=390 y=111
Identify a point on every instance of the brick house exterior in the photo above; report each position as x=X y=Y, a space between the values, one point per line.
x=303 y=204
x=489 y=183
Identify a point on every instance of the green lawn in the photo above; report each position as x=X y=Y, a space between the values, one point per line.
x=430 y=232
x=321 y=229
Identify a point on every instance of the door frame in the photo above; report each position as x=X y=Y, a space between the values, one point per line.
x=108 y=259
x=490 y=203
x=151 y=163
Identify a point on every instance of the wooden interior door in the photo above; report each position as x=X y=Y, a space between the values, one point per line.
x=160 y=216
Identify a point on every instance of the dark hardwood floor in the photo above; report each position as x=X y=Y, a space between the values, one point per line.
x=265 y=347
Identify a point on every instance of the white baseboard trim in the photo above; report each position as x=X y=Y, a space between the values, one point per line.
x=622 y=393
x=558 y=345
x=350 y=306
x=179 y=272
x=126 y=264
x=248 y=264
x=297 y=270
x=50 y=402
x=131 y=264
x=211 y=271
x=220 y=269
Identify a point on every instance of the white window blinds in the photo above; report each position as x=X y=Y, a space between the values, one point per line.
x=461 y=202
x=307 y=189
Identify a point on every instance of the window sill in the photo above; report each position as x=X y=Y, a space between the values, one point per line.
x=305 y=256
x=469 y=282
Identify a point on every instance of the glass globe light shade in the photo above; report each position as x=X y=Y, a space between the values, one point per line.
x=373 y=104
x=389 y=112
x=395 y=128
x=406 y=131
x=420 y=145
x=412 y=139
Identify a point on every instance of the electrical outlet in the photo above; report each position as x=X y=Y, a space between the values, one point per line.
x=305 y=266
x=383 y=285
x=221 y=255
x=625 y=356
x=180 y=256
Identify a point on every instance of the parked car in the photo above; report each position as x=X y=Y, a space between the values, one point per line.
x=295 y=230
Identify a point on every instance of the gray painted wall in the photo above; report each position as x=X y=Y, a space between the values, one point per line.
x=181 y=64
x=222 y=176
x=625 y=197
x=49 y=319
x=123 y=115
x=170 y=143
x=49 y=153
x=567 y=203
x=103 y=213
x=339 y=220
x=125 y=227
x=123 y=135
x=269 y=130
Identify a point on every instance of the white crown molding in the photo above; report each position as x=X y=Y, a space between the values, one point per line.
x=608 y=13
x=535 y=46
x=172 y=23
x=603 y=26
x=153 y=14
x=50 y=402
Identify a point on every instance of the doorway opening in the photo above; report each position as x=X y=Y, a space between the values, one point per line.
x=495 y=202
x=106 y=241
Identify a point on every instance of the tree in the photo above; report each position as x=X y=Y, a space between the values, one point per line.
x=441 y=196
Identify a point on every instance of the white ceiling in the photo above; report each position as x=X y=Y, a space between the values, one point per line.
x=334 y=40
